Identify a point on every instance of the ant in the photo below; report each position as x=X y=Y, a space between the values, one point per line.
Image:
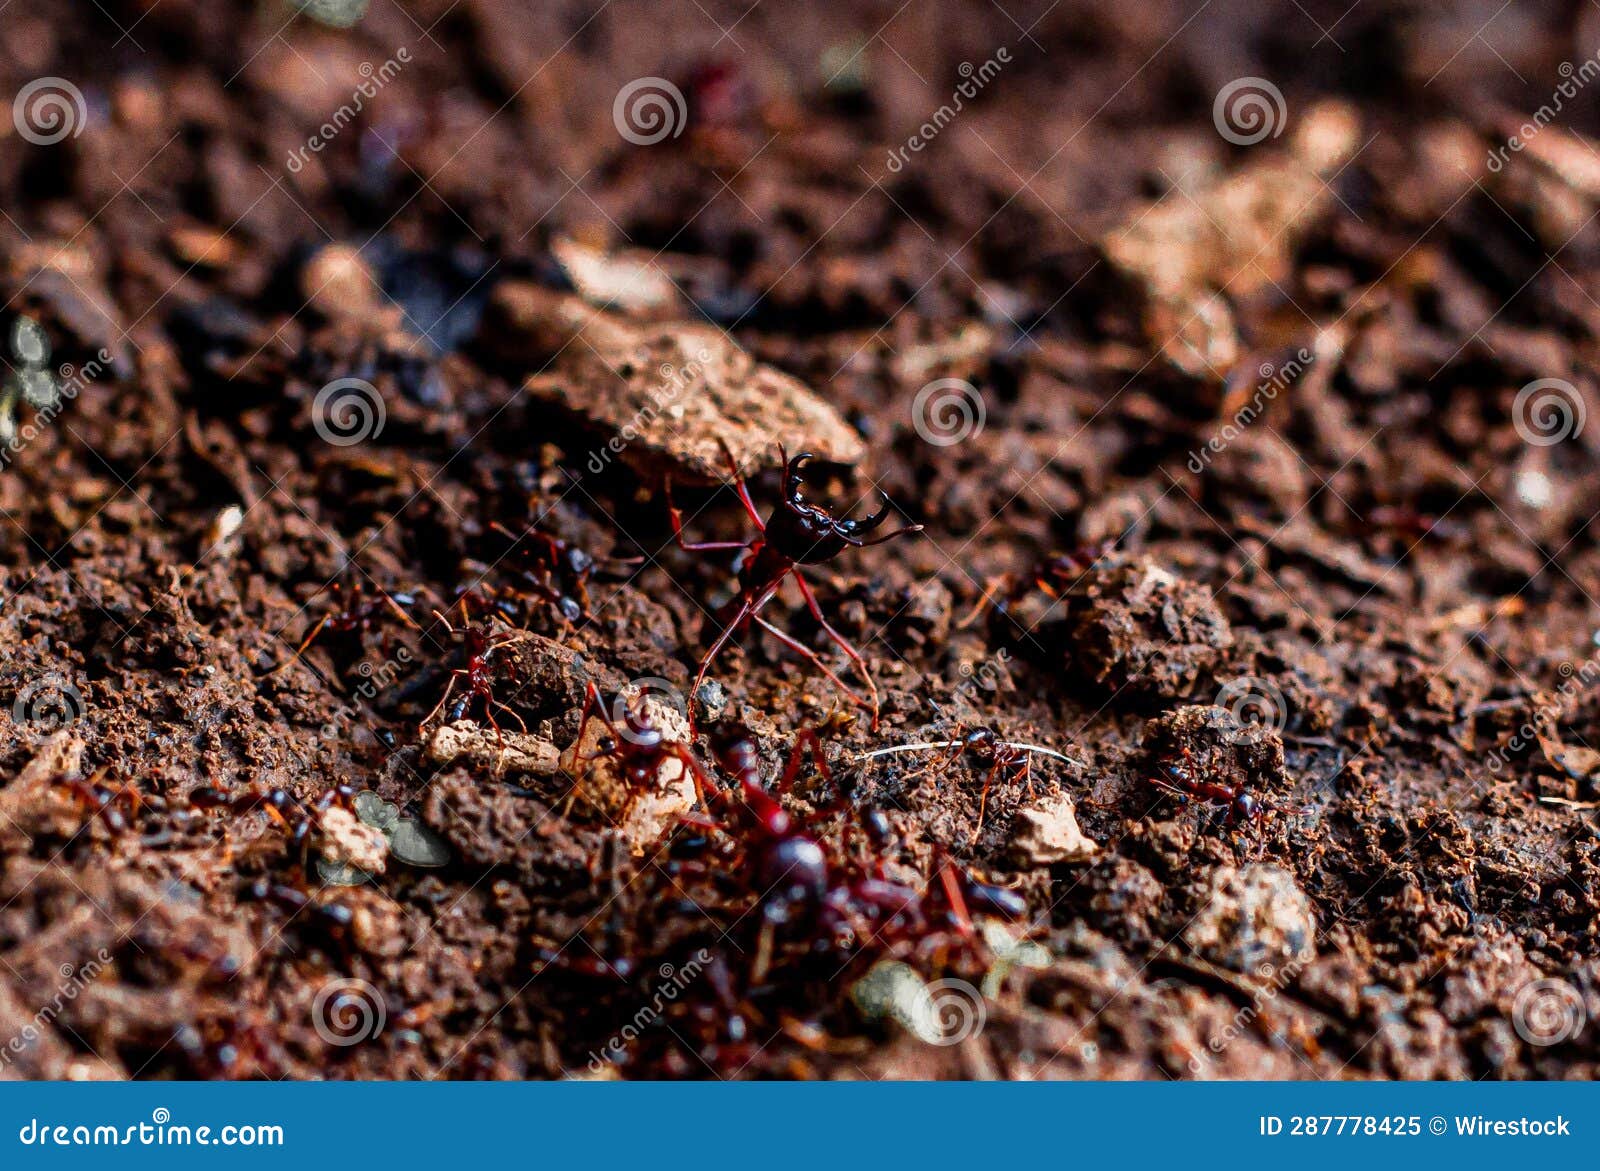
x=797 y=533
x=1182 y=781
x=280 y=805
x=356 y=614
x=561 y=577
x=480 y=647
x=102 y=801
x=796 y=878
x=984 y=748
x=640 y=748
x=1055 y=576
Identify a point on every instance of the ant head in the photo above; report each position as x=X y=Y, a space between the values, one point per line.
x=1246 y=807
x=980 y=742
x=807 y=533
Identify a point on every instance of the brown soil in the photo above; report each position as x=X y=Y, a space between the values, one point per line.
x=1376 y=553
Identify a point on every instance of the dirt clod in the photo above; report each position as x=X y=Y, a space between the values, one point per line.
x=1255 y=919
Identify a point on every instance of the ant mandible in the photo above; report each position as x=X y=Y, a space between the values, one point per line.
x=1182 y=781
x=797 y=533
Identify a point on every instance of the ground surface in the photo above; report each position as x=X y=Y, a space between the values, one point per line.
x=1264 y=396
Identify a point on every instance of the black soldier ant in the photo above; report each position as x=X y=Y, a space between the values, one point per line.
x=480 y=646
x=984 y=748
x=356 y=615
x=797 y=533
x=1182 y=780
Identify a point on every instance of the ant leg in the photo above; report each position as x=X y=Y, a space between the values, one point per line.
x=855 y=656
x=799 y=647
x=322 y=624
x=983 y=800
x=803 y=739
x=448 y=688
x=746 y=611
x=682 y=755
x=951 y=881
x=399 y=611
x=981 y=606
x=740 y=487
x=521 y=723
x=700 y=820
x=675 y=515
x=489 y=705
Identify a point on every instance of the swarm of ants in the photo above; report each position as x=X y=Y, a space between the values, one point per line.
x=800 y=895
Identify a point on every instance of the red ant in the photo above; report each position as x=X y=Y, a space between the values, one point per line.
x=562 y=576
x=356 y=615
x=983 y=747
x=1055 y=576
x=797 y=533
x=796 y=878
x=480 y=646
x=102 y=800
x=639 y=748
x=280 y=805
x=1182 y=782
